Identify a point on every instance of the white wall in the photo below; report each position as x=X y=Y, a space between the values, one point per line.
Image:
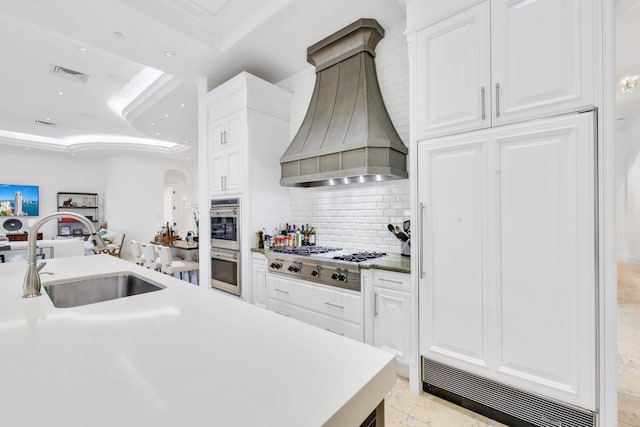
x=52 y=172
x=356 y=216
x=628 y=189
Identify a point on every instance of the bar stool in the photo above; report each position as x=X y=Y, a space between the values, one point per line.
x=136 y=250
x=169 y=265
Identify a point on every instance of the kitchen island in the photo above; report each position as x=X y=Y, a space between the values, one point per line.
x=182 y=355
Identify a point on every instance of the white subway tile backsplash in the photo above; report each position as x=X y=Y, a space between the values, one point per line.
x=356 y=216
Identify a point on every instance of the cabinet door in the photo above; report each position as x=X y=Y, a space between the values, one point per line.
x=542 y=57
x=234 y=170
x=391 y=322
x=259 y=283
x=453 y=91
x=216 y=131
x=217 y=166
x=545 y=252
x=235 y=125
x=453 y=290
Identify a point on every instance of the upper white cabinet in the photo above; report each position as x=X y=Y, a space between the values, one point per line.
x=507 y=273
x=227 y=130
x=503 y=61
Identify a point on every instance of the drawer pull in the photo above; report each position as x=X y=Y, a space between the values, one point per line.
x=282 y=291
x=397 y=282
x=341 y=307
x=282 y=314
x=334 y=331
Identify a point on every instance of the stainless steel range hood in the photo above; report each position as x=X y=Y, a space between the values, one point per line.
x=346 y=136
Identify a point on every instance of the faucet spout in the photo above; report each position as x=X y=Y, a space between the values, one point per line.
x=31 y=285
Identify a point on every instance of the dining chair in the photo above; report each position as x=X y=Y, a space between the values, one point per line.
x=170 y=265
x=149 y=252
x=136 y=250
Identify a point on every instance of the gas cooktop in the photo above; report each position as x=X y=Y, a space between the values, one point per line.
x=328 y=266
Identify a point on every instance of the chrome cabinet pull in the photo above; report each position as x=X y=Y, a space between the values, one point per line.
x=281 y=291
x=484 y=116
x=341 y=307
x=421 y=256
x=497 y=99
x=375 y=304
x=222 y=137
x=398 y=282
x=282 y=314
x=334 y=331
x=221 y=182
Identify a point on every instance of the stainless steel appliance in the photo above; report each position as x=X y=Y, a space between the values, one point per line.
x=225 y=223
x=328 y=266
x=225 y=245
x=225 y=270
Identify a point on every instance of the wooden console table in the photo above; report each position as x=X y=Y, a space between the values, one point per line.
x=21 y=237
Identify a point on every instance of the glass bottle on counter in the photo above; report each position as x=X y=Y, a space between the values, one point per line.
x=312 y=237
x=298 y=237
x=305 y=236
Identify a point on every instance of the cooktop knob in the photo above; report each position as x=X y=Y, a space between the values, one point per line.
x=342 y=277
x=294 y=268
x=276 y=265
x=334 y=276
x=315 y=272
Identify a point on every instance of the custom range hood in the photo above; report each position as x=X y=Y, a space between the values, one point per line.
x=346 y=136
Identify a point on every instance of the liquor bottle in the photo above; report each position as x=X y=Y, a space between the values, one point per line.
x=312 y=237
x=305 y=236
x=298 y=238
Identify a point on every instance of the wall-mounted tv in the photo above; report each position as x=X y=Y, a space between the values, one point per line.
x=18 y=200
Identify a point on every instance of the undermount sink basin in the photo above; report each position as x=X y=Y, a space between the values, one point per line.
x=89 y=290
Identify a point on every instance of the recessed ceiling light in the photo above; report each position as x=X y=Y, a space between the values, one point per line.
x=82 y=49
x=73 y=154
x=188 y=158
x=60 y=92
x=165 y=115
x=169 y=54
x=183 y=105
x=48 y=119
x=153 y=123
x=186 y=141
x=28 y=148
x=118 y=34
x=157 y=133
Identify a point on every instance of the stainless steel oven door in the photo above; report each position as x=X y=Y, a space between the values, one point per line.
x=225 y=227
x=225 y=270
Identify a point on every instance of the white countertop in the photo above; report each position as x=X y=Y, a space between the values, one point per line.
x=181 y=356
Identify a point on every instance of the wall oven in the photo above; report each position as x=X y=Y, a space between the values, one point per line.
x=225 y=223
x=225 y=270
x=225 y=245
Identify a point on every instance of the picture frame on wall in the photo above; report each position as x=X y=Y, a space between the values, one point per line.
x=65 y=230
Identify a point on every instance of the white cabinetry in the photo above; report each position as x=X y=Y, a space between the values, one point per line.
x=247 y=130
x=259 y=284
x=388 y=324
x=336 y=310
x=507 y=277
x=501 y=62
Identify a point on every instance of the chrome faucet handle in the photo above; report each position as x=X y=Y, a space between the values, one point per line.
x=40 y=266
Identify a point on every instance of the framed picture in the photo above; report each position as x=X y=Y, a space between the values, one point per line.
x=65 y=230
x=77 y=232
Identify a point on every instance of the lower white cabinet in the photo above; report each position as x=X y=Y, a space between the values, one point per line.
x=389 y=321
x=336 y=310
x=259 y=284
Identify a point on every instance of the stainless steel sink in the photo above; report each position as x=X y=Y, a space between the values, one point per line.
x=89 y=290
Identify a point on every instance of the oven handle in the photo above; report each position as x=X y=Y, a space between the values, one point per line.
x=224 y=212
x=224 y=257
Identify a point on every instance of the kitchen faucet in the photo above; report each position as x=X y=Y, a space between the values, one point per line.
x=31 y=285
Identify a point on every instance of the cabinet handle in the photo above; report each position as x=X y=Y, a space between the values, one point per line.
x=222 y=137
x=334 y=331
x=497 y=99
x=221 y=182
x=225 y=182
x=484 y=116
x=421 y=255
x=281 y=291
x=375 y=304
x=397 y=282
x=282 y=314
x=341 y=307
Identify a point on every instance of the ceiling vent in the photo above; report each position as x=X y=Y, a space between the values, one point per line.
x=68 y=74
x=45 y=123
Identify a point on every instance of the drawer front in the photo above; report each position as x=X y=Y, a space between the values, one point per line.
x=327 y=323
x=336 y=303
x=392 y=280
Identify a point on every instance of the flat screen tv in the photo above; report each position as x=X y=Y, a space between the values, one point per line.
x=18 y=200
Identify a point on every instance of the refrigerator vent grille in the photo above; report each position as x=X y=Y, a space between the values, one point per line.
x=525 y=406
x=69 y=74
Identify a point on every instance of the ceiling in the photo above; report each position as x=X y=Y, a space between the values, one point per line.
x=144 y=59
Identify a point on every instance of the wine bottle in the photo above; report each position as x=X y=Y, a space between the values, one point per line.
x=312 y=237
